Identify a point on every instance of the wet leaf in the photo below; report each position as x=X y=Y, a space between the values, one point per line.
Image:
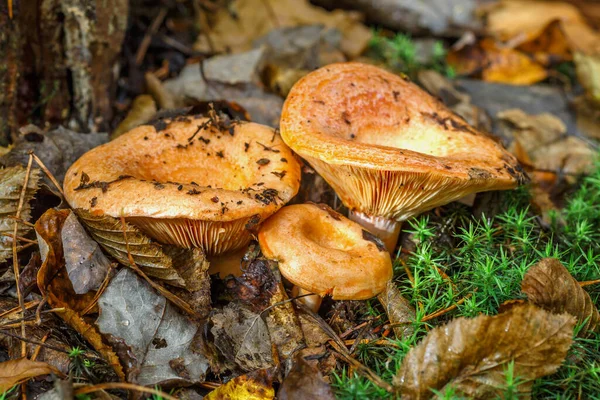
x=241 y=338
x=161 y=341
x=304 y=381
x=13 y=372
x=549 y=285
x=86 y=265
x=148 y=255
x=192 y=266
x=256 y=385
x=398 y=309
x=471 y=355
x=496 y=64
x=252 y=19
x=11 y=184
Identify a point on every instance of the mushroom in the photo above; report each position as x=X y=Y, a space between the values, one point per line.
x=189 y=181
x=388 y=149
x=323 y=252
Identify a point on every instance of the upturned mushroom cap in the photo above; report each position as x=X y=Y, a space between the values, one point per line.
x=388 y=148
x=323 y=252
x=191 y=182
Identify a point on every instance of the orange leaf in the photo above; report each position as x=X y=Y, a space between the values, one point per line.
x=13 y=372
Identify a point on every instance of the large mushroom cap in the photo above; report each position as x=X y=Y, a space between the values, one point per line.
x=193 y=182
x=388 y=148
x=323 y=252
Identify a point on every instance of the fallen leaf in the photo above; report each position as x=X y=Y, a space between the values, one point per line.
x=148 y=255
x=241 y=338
x=587 y=67
x=52 y=277
x=192 y=266
x=471 y=355
x=440 y=17
x=251 y=19
x=11 y=184
x=86 y=265
x=496 y=64
x=142 y=110
x=398 y=309
x=13 y=372
x=304 y=381
x=260 y=288
x=588 y=117
x=551 y=46
x=256 y=385
x=549 y=285
x=161 y=340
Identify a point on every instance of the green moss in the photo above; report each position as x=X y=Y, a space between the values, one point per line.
x=486 y=259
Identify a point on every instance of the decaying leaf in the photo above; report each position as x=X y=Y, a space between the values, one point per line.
x=588 y=73
x=304 y=381
x=252 y=19
x=142 y=110
x=52 y=277
x=192 y=266
x=241 y=337
x=496 y=64
x=398 y=309
x=148 y=255
x=13 y=372
x=471 y=355
x=11 y=184
x=550 y=286
x=161 y=341
x=261 y=289
x=256 y=385
x=86 y=265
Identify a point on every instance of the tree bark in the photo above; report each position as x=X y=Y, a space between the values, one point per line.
x=59 y=63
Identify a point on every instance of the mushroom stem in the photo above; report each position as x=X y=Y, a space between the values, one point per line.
x=312 y=301
x=387 y=230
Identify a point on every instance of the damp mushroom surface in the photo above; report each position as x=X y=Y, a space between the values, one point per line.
x=389 y=149
x=324 y=253
x=190 y=181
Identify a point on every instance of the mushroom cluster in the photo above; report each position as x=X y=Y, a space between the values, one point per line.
x=388 y=149
x=190 y=182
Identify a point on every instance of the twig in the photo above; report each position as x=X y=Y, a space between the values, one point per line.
x=121 y=385
x=24 y=340
x=99 y=292
x=588 y=283
x=10 y=9
x=42 y=166
x=445 y=310
x=411 y=278
x=21 y=221
x=36 y=352
x=357 y=327
x=176 y=300
x=28 y=305
x=380 y=342
x=141 y=53
x=16 y=270
x=21 y=238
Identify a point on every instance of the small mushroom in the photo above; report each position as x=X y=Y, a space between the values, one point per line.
x=323 y=252
x=389 y=150
x=189 y=182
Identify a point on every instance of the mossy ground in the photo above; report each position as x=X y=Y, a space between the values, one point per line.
x=482 y=260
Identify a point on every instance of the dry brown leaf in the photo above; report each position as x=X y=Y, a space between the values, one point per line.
x=255 y=18
x=256 y=385
x=471 y=355
x=11 y=184
x=550 y=46
x=148 y=255
x=52 y=277
x=142 y=111
x=13 y=372
x=398 y=309
x=550 y=286
x=304 y=381
x=496 y=64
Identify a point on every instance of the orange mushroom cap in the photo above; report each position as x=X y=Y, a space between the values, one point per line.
x=191 y=182
x=387 y=147
x=325 y=253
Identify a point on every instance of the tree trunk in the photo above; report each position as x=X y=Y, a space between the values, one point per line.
x=59 y=63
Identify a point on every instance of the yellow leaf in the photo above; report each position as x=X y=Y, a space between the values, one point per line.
x=13 y=372
x=256 y=385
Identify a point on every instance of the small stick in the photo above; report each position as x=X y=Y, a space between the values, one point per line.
x=445 y=310
x=21 y=238
x=122 y=385
x=411 y=278
x=28 y=305
x=42 y=166
x=141 y=53
x=21 y=221
x=379 y=342
x=36 y=352
x=588 y=283
x=357 y=327
x=16 y=270
x=26 y=340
